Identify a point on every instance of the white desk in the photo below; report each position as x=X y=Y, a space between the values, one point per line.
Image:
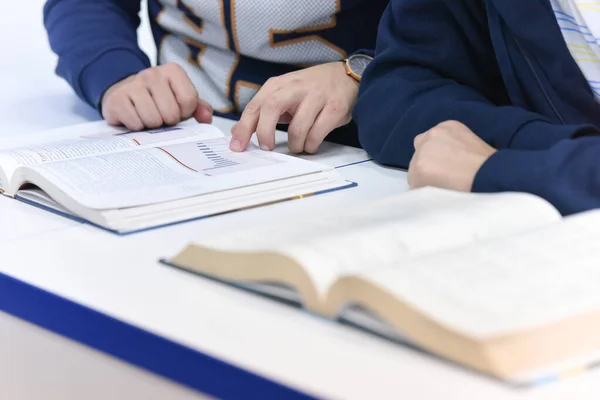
x=119 y=277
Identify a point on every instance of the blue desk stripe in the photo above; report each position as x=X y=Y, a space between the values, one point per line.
x=151 y=352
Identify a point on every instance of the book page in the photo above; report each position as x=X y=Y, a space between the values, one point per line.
x=393 y=230
x=99 y=143
x=155 y=175
x=507 y=285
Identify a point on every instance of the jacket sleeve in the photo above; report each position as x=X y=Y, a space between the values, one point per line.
x=567 y=174
x=434 y=62
x=96 y=43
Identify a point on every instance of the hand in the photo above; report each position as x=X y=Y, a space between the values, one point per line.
x=154 y=97
x=314 y=101
x=447 y=156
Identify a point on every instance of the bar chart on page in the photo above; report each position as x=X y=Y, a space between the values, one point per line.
x=213 y=157
x=216 y=158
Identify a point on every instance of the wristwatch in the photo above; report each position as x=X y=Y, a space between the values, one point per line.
x=356 y=65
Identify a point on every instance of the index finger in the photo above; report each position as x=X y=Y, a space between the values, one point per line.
x=243 y=130
x=271 y=111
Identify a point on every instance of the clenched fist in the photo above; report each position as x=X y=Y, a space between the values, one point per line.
x=448 y=156
x=156 y=96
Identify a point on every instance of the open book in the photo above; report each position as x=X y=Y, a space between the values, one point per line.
x=130 y=181
x=496 y=282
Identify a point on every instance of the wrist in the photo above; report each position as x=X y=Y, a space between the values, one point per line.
x=349 y=79
x=500 y=172
x=108 y=69
x=477 y=165
x=111 y=89
x=356 y=65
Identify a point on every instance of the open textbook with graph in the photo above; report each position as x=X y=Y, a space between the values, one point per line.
x=130 y=181
x=497 y=282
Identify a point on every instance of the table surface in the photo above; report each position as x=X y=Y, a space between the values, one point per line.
x=120 y=277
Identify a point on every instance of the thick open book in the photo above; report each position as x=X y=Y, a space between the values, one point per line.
x=130 y=181
x=496 y=282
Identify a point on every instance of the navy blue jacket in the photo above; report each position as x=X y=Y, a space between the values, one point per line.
x=502 y=68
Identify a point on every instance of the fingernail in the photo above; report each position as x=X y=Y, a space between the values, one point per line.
x=264 y=147
x=236 y=145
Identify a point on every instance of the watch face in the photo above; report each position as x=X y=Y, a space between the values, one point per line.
x=358 y=63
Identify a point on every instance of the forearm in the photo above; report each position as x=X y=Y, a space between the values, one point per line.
x=567 y=174
x=96 y=43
